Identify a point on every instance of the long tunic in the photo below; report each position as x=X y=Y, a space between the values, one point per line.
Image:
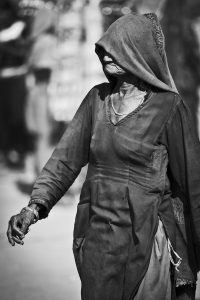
x=135 y=168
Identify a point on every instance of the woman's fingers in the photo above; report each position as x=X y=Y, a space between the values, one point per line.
x=17 y=240
x=9 y=235
x=17 y=232
x=14 y=234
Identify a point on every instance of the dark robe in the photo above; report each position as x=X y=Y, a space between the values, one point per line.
x=136 y=168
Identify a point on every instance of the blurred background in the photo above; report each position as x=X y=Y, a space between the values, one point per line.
x=47 y=65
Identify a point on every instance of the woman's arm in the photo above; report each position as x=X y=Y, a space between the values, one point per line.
x=70 y=155
x=181 y=140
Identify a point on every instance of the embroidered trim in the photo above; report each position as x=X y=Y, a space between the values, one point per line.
x=157 y=32
x=181 y=282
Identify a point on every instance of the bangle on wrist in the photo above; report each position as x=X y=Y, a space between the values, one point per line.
x=33 y=210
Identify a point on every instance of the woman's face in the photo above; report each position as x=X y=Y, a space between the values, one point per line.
x=110 y=67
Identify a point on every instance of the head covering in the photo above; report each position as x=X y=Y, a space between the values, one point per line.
x=136 y=43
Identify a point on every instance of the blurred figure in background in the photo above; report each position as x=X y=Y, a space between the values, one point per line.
x=15 y=141
x=41 y=62
x=111 y=10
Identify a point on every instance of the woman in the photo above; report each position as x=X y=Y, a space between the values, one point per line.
x=132 y=238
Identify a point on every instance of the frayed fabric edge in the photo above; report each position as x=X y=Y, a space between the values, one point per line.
x=172 y=251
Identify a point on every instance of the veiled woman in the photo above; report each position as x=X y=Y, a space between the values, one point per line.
x=137 y=229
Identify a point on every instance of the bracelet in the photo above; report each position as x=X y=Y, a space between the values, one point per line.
x=33 y=210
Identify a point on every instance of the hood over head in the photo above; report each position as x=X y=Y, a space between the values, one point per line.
x=136 y=43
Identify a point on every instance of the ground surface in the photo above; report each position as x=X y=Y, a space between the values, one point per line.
x=44 y=267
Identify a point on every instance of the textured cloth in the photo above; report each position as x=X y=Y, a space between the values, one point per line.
x=135 y=169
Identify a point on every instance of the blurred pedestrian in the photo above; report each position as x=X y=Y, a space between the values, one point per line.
x=136 y=233
x=15 y=141
x=41 y=62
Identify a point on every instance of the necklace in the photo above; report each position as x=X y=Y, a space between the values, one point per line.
x=140 y=98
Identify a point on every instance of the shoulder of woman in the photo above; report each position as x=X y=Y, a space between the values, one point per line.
x=102 y=89
x=99 y=92
x=169 y=101
x=180 y=111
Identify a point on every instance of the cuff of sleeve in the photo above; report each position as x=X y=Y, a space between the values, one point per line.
x=44 y=212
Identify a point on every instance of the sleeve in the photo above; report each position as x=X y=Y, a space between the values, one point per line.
x=181 y=140
x=64 y=165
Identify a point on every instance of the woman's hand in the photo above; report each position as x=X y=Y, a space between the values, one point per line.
x=18 y=225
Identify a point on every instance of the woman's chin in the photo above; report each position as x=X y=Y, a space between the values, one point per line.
x=112 y=70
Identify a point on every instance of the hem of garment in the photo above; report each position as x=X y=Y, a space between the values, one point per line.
x=44 y=212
